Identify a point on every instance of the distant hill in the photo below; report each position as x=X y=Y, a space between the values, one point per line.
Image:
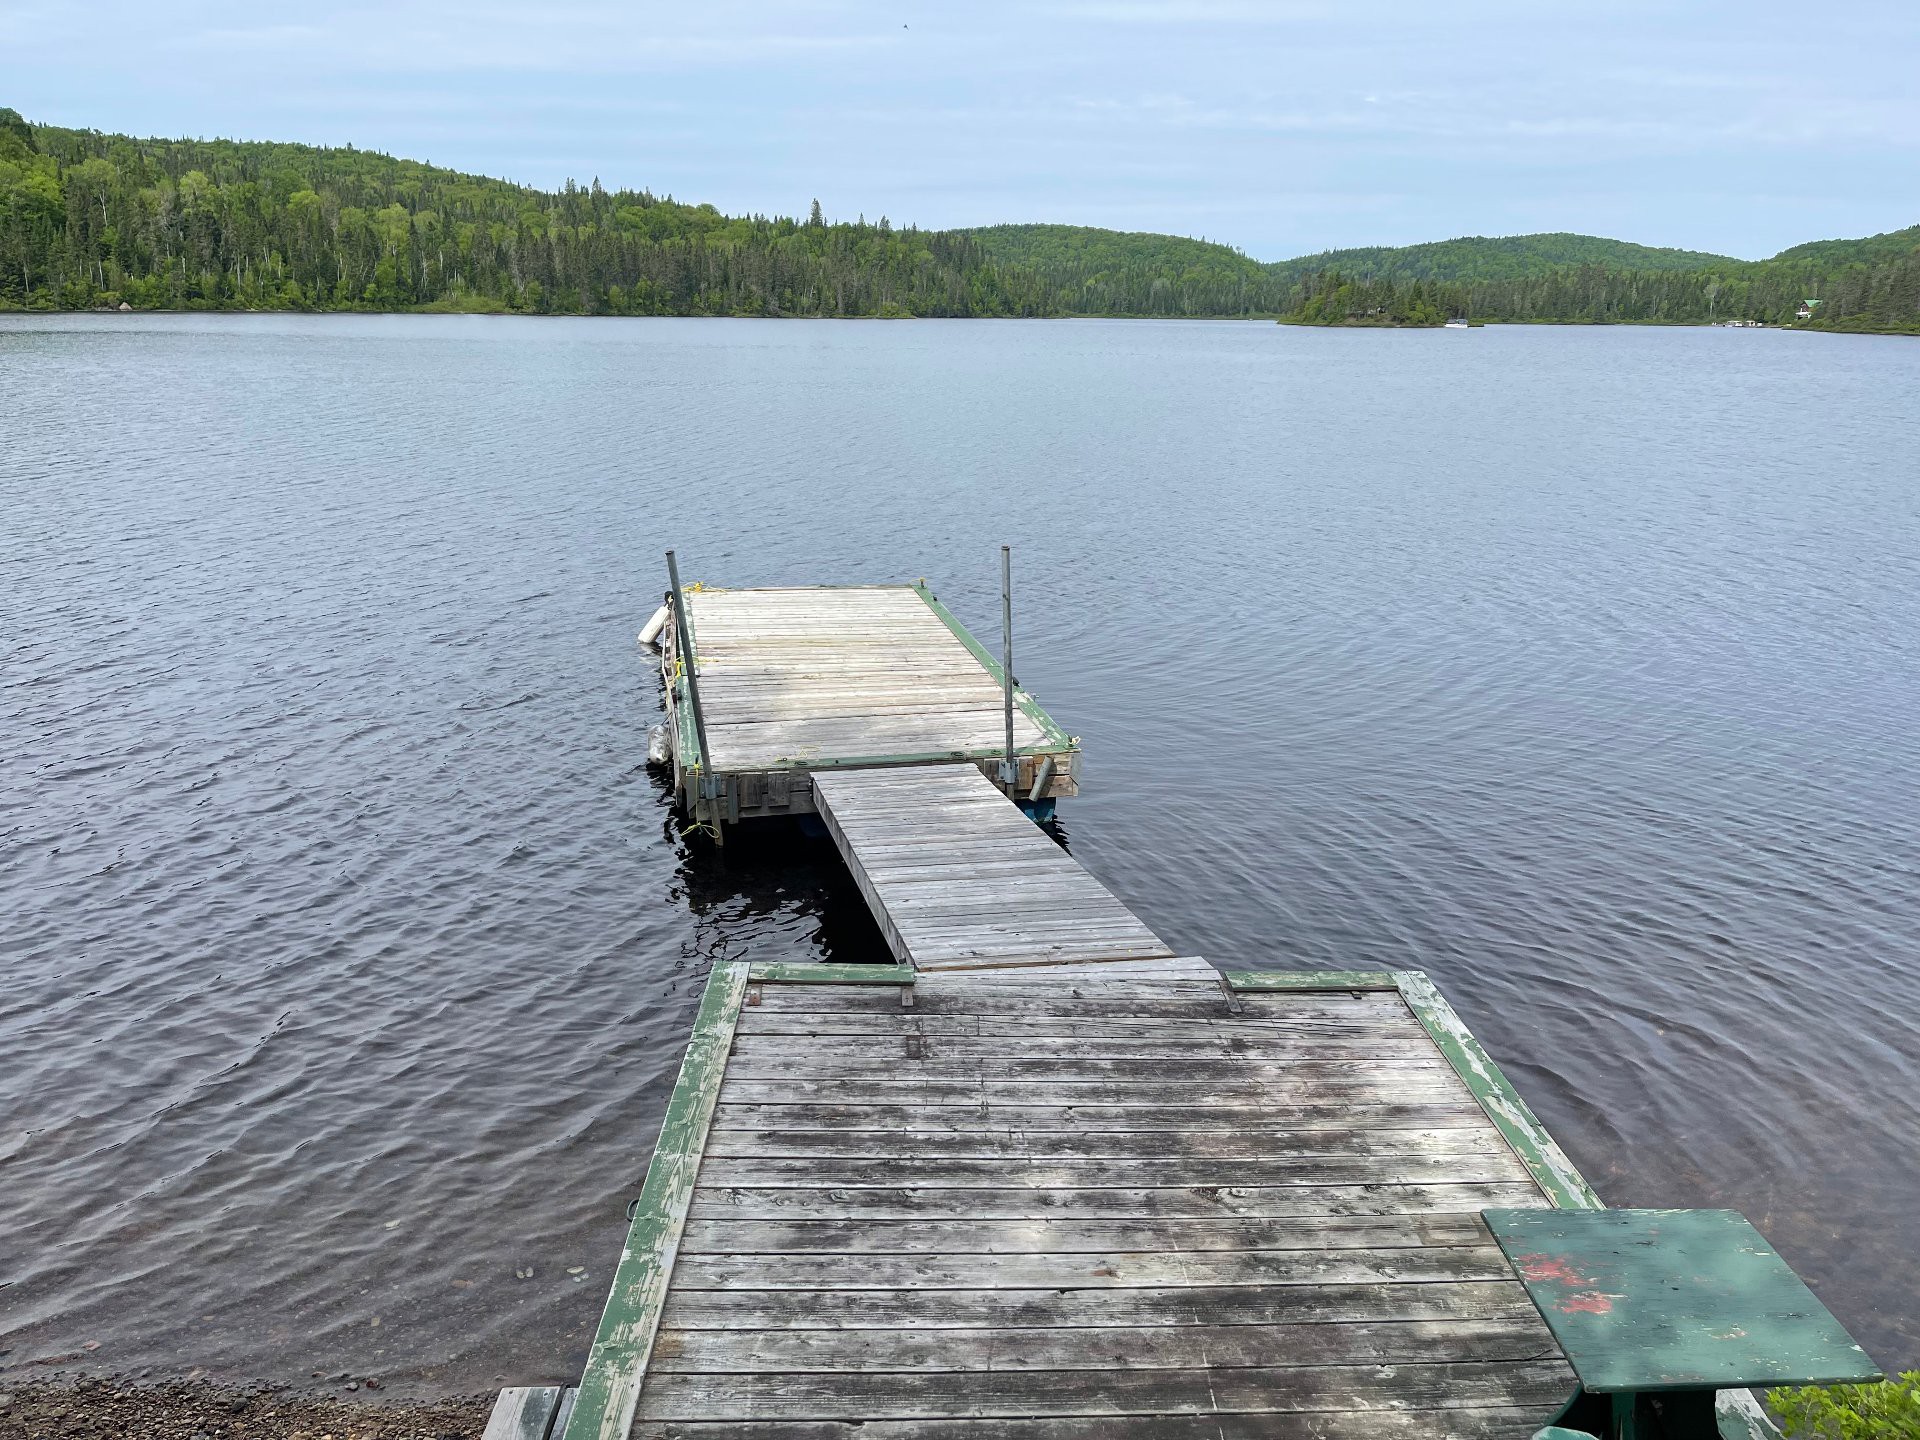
x=1119 y=272
x=1507 y=257
x=90 y=220
x=1873 y=250
x=1094 y=250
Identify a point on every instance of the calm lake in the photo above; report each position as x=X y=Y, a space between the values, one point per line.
x=348 y=946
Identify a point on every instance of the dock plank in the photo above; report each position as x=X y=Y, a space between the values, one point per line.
x=1107 y=1347
x=1111 y=1392
x=957 y=876
x=1451 y=1423
x=1096 y=1205
x=795 y=676
x=1182 y=1202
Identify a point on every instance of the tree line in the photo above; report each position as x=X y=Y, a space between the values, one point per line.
x=1884 y=296
x=90 y=220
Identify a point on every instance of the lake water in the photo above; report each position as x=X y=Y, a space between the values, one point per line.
x=349 y=947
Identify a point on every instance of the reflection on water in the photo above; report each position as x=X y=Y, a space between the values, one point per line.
x=350 y=947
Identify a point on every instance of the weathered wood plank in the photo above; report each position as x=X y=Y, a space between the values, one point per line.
x=604 y=1404
x=1054 y=1309
x=1165 y=1347
x=1299 y=1084
x=931 y=1045
x=1070 y=1069
x=993 y=995
x=1081 y=1237
x=1209 y=1145
x=1115 y=1270
x=908 y=1394
x=1309 y=980
x=1451 y=1423
x=777 y=973
x=955 y=874
x=524 y=1412
x=1458 y=1114
x=1071 y=1174
x=926 y=1202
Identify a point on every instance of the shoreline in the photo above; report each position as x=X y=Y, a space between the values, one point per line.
x=1261 y=319
x=110 y=1408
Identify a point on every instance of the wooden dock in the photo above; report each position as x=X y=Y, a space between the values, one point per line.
x=1040 y=1205
x=1042 y=1177
x=959 y=878
x=803 y=681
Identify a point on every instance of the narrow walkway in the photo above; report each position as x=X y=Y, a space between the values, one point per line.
x=958 y=878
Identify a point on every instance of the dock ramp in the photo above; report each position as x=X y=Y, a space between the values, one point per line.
x=959 y=878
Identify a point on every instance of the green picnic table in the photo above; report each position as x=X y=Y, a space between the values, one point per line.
x=1656 y=1310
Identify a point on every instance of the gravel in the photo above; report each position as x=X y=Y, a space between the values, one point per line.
x=108 y=1410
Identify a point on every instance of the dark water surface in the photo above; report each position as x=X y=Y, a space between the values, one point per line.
x=348 y=949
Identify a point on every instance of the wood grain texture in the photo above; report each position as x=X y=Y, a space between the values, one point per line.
x=1096 y=1205
x=1450 y=1423
x=813 y=676
x=524 y=1412
x=958 y=877
x=603 y=1405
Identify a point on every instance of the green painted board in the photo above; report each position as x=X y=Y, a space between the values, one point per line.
x=1311 y=980
x=1552 y=1171
x=610 y=1389
x=1674 y=1300
x=779 y=973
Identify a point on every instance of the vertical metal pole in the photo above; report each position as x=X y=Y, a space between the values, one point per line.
x=1009 y=767
x=683 y=634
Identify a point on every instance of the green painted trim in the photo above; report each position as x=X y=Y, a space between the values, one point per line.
x=776 y=972
x=1028 y=705
x=877 y=762
x=1552 y=1171
x=1312 y=980
x=617 y=1364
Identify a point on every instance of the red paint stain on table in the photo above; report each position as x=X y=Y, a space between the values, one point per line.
x=1549 y=1267
x=1588 y=1302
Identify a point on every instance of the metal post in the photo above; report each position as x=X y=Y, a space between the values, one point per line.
x=683 y=633
x=1009 y=767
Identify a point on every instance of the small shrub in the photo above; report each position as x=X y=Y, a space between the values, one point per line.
x=1889 y=1410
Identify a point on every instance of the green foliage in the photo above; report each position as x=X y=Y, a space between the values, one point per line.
x=1110 y=272
x=1831 y=254
x=1889 y=1410
x=88 y=219
x=1882 y=297
x=1510 y=257
x=1330 y=298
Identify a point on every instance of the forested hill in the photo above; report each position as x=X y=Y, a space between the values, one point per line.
x=90 y=220
x=1120 y=272
x=1510 y=257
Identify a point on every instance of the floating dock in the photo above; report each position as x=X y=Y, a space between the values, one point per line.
x=1042 y=1177
x=787 y=684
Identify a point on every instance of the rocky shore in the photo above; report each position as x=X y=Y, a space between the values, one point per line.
x=111 y=1410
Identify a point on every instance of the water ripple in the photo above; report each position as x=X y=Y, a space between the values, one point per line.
x=350 y=949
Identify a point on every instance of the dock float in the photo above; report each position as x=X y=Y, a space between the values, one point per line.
x=1042 y=1177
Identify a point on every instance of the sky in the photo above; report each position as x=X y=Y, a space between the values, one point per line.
x=1283 y=127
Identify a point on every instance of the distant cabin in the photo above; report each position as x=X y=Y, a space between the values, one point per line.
x=1805 y=312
